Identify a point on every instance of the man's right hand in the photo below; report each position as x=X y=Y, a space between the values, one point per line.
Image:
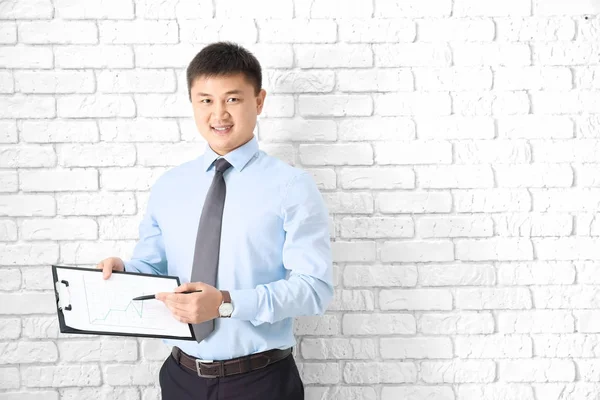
x=108 y=265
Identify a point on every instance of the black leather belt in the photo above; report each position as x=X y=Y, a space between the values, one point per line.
x=240 y=365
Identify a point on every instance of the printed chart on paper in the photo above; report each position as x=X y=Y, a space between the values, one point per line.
x=106 y=305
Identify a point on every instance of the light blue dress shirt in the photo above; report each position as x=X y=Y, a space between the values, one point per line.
x=275 y=254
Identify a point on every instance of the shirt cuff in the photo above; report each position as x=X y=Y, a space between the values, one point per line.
x=245 y=304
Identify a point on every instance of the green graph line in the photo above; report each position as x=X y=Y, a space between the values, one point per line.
x=140 y=312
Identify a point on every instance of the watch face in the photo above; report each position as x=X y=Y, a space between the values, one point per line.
x=226 y=309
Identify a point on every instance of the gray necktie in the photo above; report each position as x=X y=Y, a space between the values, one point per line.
x=208 y=240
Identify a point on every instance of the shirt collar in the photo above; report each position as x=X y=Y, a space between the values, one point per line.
x=238 y=158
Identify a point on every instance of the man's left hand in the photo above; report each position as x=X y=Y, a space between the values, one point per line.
x=193 y=308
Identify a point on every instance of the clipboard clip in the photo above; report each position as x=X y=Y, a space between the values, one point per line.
x=63 y=296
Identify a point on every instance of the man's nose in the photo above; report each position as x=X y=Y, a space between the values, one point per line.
x=220 y=111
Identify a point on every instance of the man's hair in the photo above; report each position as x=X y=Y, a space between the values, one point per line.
x=222 y=59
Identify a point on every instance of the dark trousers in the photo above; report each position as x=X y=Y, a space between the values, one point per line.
x=276 y=381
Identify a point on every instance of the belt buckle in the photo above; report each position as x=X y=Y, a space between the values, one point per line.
x=199 y=363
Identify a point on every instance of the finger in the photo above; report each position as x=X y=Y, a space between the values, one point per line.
x=162 y=296
x=175 y=312
x=183 y=319
x=190 y=311
x=178 y=298
x=107 y=270
x=102 y=265
x=179 y=306
x=187 y=318
x=179 y=314
x=173 y=306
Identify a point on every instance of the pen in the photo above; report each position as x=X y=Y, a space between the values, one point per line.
x=152 y=296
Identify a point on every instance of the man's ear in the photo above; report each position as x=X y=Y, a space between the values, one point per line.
x=260 y=101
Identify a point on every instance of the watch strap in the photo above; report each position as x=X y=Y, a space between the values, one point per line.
x=226 y=296
x=226 y=300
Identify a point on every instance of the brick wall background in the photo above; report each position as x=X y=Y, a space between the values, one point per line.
x=456 y=143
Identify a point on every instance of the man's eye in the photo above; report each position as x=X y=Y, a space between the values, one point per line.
x=205 y=101
x=233 y=99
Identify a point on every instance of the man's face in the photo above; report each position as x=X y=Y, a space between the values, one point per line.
x=225 y=110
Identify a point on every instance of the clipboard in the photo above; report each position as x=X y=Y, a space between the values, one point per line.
x=88 y=304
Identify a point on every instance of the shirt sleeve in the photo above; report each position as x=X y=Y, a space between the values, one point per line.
x=306 y=255
x=149 y=252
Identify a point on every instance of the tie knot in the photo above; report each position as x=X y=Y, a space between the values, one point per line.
x=221 y=165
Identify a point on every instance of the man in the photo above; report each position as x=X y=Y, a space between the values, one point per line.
x=248 y=230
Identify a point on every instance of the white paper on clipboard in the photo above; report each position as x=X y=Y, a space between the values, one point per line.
x=91 y=303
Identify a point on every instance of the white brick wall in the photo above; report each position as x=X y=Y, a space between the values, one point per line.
x=456 y=144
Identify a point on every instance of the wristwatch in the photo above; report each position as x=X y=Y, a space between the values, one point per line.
x=226 y=308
